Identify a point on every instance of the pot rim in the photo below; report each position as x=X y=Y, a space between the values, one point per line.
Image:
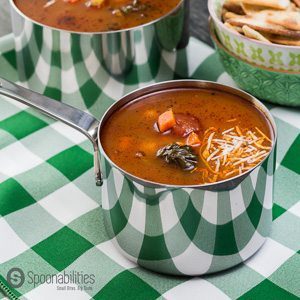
x=138 y=94
x=20 y=13
x=214 y=16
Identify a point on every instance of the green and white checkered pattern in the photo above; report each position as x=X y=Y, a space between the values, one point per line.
x=52 y=222
x=188 y=231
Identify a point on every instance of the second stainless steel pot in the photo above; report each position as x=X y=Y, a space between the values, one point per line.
x=77 y=61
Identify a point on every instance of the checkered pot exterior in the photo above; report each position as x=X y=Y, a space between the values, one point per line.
x=188 y=231
x=56 y=62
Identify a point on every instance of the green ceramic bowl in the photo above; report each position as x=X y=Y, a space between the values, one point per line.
x=270 y=55
x=280 y=87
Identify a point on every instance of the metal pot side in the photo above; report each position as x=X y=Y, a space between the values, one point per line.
x=66 y=62
x=188 y=230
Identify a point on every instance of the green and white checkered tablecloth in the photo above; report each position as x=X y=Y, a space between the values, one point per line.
x=50 y=214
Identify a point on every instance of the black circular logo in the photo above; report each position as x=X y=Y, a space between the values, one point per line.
x=15 y=277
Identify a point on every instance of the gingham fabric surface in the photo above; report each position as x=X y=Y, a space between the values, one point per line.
x=51 y=219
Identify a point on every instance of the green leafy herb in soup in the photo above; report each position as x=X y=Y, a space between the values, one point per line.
x=95 y=15
x=187 y=137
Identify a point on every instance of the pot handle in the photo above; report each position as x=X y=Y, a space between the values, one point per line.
x=73 y=117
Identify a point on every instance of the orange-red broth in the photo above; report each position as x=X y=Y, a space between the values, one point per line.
x=78 y=16
x=132 y=129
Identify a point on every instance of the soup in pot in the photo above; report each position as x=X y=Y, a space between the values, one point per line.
x=187 y=137
x=95 y=15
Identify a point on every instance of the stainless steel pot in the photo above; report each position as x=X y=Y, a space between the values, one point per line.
x=183 y=230
x=75 y=61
